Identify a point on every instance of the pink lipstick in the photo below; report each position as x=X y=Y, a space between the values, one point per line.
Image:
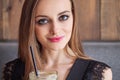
x=56 y=39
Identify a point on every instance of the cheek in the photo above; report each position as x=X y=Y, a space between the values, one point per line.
x=69 y=27
x=41 y=33
x=70 y=24
x=38 y=33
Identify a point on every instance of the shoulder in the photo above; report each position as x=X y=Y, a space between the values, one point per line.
x=97 y=70
x=13 y=69
x=94 y=63
x=100 y=70
x=15 y=61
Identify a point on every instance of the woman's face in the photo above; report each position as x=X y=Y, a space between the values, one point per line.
x=53 y=23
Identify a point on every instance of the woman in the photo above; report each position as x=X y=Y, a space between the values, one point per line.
x=49 y=26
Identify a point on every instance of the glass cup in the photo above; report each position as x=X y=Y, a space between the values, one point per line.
x=43 y=75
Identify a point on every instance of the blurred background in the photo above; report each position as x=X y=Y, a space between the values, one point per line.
x=99 y=24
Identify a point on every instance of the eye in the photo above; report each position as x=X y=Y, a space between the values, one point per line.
x=42 y=21
x=63 y=17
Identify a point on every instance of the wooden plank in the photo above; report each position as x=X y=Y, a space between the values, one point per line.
x=1 y=26
x=117 y=7
x=11 y=13
x=110 y=19
x=5 y=14
x=14 y=17
x=118 y=18
x=89 y=19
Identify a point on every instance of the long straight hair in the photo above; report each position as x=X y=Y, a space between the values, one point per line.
x=27 y=37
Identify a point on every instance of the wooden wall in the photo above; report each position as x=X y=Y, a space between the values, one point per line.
x=10 y=11
x=110 y=19
x=98 y=19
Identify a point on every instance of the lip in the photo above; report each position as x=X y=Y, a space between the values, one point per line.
x=56 y=39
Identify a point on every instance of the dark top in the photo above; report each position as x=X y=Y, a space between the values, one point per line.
x=81 y=70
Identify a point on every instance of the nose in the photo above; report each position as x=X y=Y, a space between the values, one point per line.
x=55 y=27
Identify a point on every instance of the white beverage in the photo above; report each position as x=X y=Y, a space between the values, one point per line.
x=43 y=76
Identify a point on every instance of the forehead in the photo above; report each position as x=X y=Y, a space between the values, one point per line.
x=45 y=6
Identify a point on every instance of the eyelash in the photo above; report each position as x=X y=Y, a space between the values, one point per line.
x=63 y=17
x=42 y=21
x=45 y=21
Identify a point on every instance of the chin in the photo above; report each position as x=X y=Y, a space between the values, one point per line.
x=57 y=47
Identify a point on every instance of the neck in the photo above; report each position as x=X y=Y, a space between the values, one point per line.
x=53 y=56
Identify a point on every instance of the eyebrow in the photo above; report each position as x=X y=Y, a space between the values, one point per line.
x=63 y=12
x=47 y=16
x=40 y=16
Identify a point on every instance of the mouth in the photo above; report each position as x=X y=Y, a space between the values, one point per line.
x=56 y=39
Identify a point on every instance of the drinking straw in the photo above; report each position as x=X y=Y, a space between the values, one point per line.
x=34 y=62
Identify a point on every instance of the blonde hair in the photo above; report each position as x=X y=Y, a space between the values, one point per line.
x=27 y=37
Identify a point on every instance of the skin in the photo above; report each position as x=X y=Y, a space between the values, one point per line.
x=53 y=19
x=107 y=74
